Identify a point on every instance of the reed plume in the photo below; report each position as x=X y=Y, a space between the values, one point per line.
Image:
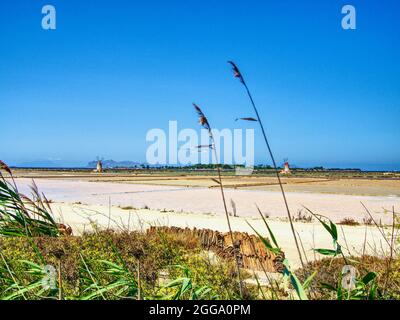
x=206 y=125
x=238 y=74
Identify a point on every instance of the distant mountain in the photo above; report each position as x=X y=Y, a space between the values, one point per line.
x=116 y=164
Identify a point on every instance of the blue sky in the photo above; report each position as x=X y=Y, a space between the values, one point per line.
x=112 y=70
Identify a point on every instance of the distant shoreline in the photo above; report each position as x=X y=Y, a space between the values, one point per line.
x=192 y=169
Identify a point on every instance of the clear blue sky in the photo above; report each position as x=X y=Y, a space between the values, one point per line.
x=112 y=70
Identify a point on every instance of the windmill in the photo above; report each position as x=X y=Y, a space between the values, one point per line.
x=286 y=169
x=99 y=165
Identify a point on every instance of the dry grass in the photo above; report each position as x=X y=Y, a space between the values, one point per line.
x=128 y=208
x=349 y=222
x=156 y=252
x=302 y=216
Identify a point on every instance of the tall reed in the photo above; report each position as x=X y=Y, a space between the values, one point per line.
x=23 y=216
x=206 y=125
x=239 y=75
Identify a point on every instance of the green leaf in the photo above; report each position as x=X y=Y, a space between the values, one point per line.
x=328 y=286
x=174 y=283
x=308 y=281
x=201 y=293
x=295 y=281
x=269 y=229
x=368 y=277
x=373 y=292
x=265 y=241
x=326 y=252
x=339 y=292
x=331 y=228
x=334 y=232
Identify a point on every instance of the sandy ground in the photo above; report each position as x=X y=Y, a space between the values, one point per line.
x=208 y=200
x=80 y=202
x=342 y=186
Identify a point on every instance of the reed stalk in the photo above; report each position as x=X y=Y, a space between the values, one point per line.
x=205 y=124
x=239 y=75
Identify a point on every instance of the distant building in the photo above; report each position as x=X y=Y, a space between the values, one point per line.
x=286 y=169
x=99 y=166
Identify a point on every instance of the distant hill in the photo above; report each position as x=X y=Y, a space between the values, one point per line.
x=110 y=164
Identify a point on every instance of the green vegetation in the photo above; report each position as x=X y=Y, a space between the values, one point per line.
x=374 y=278
x=20 y=215
x=108 y=265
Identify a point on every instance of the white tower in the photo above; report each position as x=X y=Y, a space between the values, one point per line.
x=286 y=169
x=99 y=166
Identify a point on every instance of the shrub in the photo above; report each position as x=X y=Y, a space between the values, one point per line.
x=105 y=265
x=349 y=222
